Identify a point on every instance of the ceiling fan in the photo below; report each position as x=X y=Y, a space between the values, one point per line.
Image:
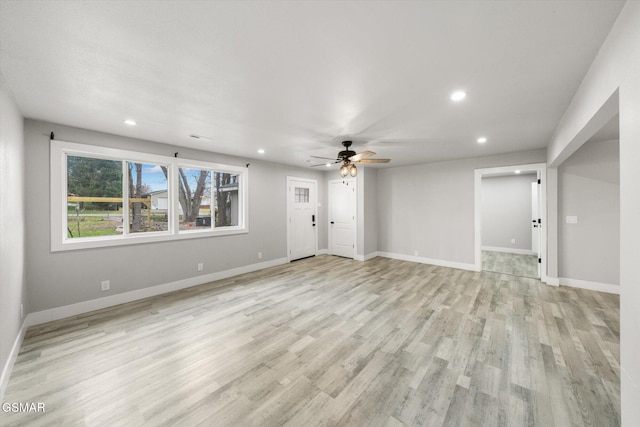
x=349 y=158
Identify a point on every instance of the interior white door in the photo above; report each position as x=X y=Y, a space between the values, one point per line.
x=342 y=218
x=537 y=207
x=535 y=228
x=302 y=211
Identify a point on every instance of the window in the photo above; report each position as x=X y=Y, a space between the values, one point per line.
x=301 y=195
x=226 y=203
x=194 y=188
x=146 y=182
x=105 y=197
x=94 y=197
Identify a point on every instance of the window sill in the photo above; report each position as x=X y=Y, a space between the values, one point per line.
x=111 y=241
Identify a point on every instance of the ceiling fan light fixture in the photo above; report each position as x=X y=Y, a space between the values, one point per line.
x=349 y=158
x=344 y=169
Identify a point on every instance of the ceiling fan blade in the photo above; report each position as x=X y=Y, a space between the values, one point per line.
x=360 y=156
x=315 y=166
x=325 y=158
x=374 y=161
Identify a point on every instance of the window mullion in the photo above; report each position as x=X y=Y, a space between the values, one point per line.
x=214 y=198
x=125 y=198
x=65 y=197
x=172 y=181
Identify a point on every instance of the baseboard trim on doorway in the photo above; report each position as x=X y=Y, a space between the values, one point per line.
x=589 y=285
x=509 y=250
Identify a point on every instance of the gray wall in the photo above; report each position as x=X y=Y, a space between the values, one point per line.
x=552 y=222
x=62 y=278
x=506 y=211
x=371 y=211
x=12 y=222
x=589 y=188
x=367 y=232
x=430 y=207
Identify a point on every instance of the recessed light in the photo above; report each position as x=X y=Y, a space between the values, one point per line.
x=458 y=95
x=261 y=151
x=517 y=172
x=130 y=122
x=328 y=165
x=482 y=140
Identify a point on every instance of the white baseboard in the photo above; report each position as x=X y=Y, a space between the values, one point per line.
x=421 y=260
x=552 y=281
x=371 y=255
x=509 y=250
x=100 y=303
x=366 y=257
x=11 y=360
x=592 y=286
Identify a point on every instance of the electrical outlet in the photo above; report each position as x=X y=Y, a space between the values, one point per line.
x=106 y=285
x=259 y=255
x=415 y=252
x=513 y=241
x=200 y=266
x=571 y=219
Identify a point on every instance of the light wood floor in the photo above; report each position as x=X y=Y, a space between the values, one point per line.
x=330 y=341
x=507 y=263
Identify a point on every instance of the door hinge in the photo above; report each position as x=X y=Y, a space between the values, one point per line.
x=539 y=260
x=539 y=181
x=539 y=221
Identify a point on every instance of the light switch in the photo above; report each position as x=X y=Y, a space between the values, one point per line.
x=572 y=219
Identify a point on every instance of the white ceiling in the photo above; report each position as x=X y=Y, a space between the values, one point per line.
x=296 y=78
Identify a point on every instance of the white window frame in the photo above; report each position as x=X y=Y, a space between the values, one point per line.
x=58 y=169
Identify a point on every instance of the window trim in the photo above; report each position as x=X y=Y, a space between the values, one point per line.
x=58 y=197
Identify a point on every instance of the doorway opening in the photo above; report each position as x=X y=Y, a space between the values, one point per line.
x=510 y=219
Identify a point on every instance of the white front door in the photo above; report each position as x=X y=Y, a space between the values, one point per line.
x=342 y=218
x=301 y=227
